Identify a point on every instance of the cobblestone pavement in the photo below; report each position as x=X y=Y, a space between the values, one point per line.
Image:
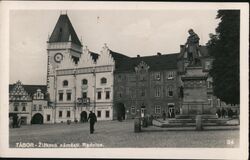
x=112 y=134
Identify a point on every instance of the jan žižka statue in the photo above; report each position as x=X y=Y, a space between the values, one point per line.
x=192 y=46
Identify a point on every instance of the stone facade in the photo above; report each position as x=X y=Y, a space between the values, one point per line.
x=146 y=90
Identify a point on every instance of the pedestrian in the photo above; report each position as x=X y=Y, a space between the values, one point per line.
x=92 y=119
x=230 y=113
x=223 y=112
x=164 y=115
x=218 y=113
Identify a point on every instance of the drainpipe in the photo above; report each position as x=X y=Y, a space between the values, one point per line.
x=75 y=95
x=55 y=87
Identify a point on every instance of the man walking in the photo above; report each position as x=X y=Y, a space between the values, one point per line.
x=92 y=119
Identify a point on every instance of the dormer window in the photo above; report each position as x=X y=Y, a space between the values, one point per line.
x=65 y=83
x=103 y=80
x=171 y=75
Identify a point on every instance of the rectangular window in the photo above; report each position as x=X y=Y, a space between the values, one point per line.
x=157 y=92
x=170 y=92
x=99 y=95
x=209 y=84
x=60 y=113
x=210 y=101
x=48 y=117
x=68 y=113
x=40 y=107
x=157 y=109
x=157 y=76
x=133 y=110
x=84 y=94
x=34 y=107
x=68 y=96
x=60 y=96
x=107 y=94
x=24 y=108
x=207 y=65
x=15 y=108
x=107 y=114
x=99 y=113
x=171 y=75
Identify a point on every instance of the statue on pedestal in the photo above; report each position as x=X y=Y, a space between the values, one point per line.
x=192 y=46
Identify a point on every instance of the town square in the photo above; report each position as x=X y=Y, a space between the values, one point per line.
x=122 y=78
x=115 y=134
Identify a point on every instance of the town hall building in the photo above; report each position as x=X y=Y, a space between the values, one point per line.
x=111 y=84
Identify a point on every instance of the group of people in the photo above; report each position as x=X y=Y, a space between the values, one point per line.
x=222 y=113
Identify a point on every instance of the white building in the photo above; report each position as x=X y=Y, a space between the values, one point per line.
x=78 y=80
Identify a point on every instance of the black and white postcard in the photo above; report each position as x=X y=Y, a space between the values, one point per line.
x=124 y=80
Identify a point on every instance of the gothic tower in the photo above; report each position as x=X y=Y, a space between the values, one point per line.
x=62 y=42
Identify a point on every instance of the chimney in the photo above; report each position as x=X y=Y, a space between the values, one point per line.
x=158 y=53
x=138 y=55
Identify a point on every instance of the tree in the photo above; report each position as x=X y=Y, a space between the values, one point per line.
x=224 y=47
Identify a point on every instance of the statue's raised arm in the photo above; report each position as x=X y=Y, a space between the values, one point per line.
x=192 y=46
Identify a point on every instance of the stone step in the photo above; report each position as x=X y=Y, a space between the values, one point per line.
x=193 y=125
x=181 y=121
x=185 y=117
x=204 y=116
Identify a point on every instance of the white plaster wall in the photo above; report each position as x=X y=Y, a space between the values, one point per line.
x=71 y=85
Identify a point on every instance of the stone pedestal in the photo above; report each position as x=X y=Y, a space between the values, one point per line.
x=195 y=99
x=199 y=123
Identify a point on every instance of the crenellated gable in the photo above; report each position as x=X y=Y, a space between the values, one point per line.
x=67 y=63
x=18 y=93
x=105 y=57
x=85 y=59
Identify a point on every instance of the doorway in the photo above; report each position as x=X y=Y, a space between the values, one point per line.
x=120 y=111
x=84 y=116
x=171 y=111
x=37 y=119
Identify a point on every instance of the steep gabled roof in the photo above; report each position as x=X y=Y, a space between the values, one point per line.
x=31 y=89
x=64 y=31
x=118 y=56
x=156 y=62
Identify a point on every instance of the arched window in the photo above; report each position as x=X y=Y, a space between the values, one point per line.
x=84 y=81
x=65 y=83
x=103 y=80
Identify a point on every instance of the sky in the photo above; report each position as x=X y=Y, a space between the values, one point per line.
x=130 y=32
